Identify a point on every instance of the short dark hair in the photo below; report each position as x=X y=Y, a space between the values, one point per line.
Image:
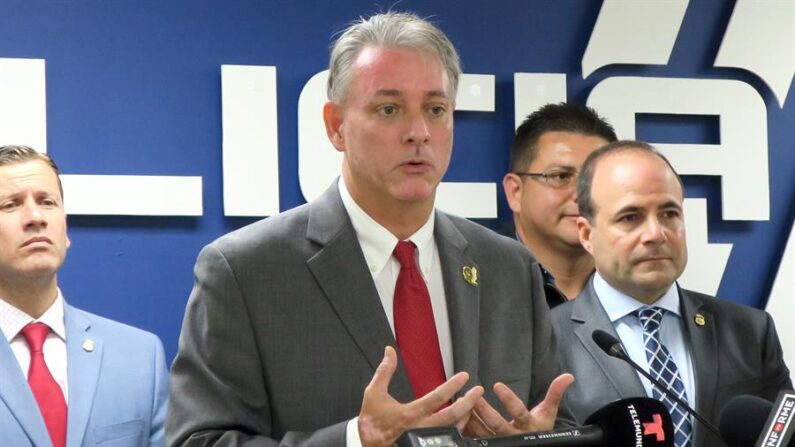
x=585 y=179
x=13 y=154
x=561 y=117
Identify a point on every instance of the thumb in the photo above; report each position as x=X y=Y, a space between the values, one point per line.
x=555 y=393
x=385 y=371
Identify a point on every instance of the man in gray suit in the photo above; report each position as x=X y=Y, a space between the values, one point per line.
x=288 y=332
x=708 y=350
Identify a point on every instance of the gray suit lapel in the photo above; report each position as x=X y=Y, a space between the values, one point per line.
x=704 y=350
x=84 y=354
x=16 y=394
x=463 y=299
x=588 y=311
x=340 y=269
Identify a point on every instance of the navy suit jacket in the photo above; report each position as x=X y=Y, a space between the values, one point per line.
x=117 y=391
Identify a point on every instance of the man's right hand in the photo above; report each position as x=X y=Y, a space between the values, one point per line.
x=383 y=419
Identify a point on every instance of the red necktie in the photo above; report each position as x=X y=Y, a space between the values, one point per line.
x=415 y=329
x=46 y=391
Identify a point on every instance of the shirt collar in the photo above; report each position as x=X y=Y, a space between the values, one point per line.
x=12 y=320
x=618 y=304
x=378 y=243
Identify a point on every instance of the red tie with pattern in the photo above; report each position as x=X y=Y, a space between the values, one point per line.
x=46 y=391
x=415 y=329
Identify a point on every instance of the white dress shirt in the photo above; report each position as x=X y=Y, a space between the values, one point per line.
x=12 y=320
x=377 y=246
x=621 y=310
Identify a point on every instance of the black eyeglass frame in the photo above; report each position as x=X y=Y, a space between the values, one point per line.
x=547 y=175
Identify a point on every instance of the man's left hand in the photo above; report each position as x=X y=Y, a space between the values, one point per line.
x=486 y=421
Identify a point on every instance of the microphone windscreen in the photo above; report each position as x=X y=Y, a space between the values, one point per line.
x=634 y=422
x=605 y=341
x=742 y=420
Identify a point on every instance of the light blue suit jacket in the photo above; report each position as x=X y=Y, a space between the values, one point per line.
x=117 y=391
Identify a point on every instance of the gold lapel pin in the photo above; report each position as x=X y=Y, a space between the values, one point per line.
x=700 y=321
x=88 y=345
x=470 y=274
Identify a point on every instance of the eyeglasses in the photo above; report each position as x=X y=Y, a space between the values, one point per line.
x=556 y=178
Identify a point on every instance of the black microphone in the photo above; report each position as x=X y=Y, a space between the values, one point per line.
x=750 y=420
x=742 y=419
x=635 y=422
x=612 y=347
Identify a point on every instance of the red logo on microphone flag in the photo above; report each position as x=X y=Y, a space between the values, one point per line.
x=654 y=428
x=778 y=428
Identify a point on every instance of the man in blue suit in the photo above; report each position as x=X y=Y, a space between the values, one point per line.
x=67 y=377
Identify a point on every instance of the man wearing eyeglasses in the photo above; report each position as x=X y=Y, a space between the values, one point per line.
x=546 y=154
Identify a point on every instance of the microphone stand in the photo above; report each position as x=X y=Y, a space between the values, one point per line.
x=617 y=351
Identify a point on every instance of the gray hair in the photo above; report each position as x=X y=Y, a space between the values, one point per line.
x=388 y=30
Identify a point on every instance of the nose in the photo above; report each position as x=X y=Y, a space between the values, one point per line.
x=653 y=232
x=32 y=215
x=573 y=196
x=417 y=132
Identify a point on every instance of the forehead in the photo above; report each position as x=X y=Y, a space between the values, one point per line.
x=397 y=70
x=566 y=148
x=634 y=178
x=34 y=174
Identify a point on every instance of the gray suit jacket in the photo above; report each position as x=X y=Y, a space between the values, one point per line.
x=736 y=352
x=284 y=328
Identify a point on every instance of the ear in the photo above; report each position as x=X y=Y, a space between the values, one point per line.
x=584 y=230
x=66 y=228
x=512 y=185
x=332 y=118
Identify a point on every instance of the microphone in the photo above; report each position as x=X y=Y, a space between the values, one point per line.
x=612 y=347
x=635 y=422
x=750 y=420
x=743 y=418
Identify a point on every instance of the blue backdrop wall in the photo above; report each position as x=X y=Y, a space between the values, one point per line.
x=134 y=87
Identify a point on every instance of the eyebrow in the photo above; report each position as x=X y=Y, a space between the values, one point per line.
x=671 y=204
x=562 y=166
x=628 y=209
x=633 y=209
x=398 y=93
x=18 y=192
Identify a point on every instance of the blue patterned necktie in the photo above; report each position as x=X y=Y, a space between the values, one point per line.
x=663 y=368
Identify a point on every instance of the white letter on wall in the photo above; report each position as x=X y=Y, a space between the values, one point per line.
x=251 y=140
x=23 y=117
x=318 y=161
x=633 y=32
x=132 y=195
x=705 y=262
x=533 y=90
x=781 y=303
x=740 y=158
x=760 y=38
x=23 y=121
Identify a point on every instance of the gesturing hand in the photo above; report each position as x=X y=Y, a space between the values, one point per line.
x=383 y=419
x=486 y=421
